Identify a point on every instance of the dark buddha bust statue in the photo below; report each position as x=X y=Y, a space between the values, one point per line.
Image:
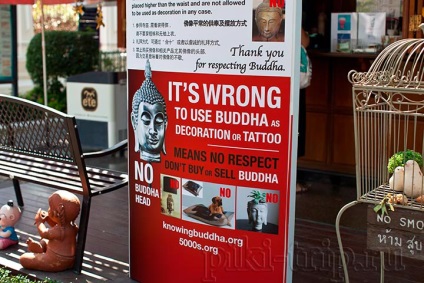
x=149 y=119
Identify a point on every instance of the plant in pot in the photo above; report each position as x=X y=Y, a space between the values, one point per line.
x=396 y=167
x=257 y=210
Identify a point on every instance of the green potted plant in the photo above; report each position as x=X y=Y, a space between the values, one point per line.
x=401 y=157
x=257 y=210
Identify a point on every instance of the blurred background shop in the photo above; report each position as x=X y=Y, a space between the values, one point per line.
x=345 y=35
x=63 y=17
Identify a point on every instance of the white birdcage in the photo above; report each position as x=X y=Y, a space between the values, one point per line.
x=388 y=106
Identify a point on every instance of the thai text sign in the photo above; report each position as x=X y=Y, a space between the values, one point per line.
x=399 y=232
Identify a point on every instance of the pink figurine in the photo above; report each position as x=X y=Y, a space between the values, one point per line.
x=9 y=216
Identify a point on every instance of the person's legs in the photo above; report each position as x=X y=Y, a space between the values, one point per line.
x=301 y=124
x=301 y=142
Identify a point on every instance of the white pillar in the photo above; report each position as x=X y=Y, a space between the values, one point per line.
x=25 y=33
x=109 y=33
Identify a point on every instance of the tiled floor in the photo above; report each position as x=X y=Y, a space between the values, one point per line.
x=316 y=244
x=316 y=254
x=326 y=195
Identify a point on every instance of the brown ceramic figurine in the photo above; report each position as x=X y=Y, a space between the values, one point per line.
x=56 y=250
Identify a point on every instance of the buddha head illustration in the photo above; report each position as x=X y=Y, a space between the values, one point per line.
x=149 y=119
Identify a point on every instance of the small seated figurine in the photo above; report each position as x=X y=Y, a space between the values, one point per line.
x=56 y=249
x=170 y=204
x=9 y=216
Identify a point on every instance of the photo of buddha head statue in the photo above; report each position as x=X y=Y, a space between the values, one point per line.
x=268 y=19
x=149 y=119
